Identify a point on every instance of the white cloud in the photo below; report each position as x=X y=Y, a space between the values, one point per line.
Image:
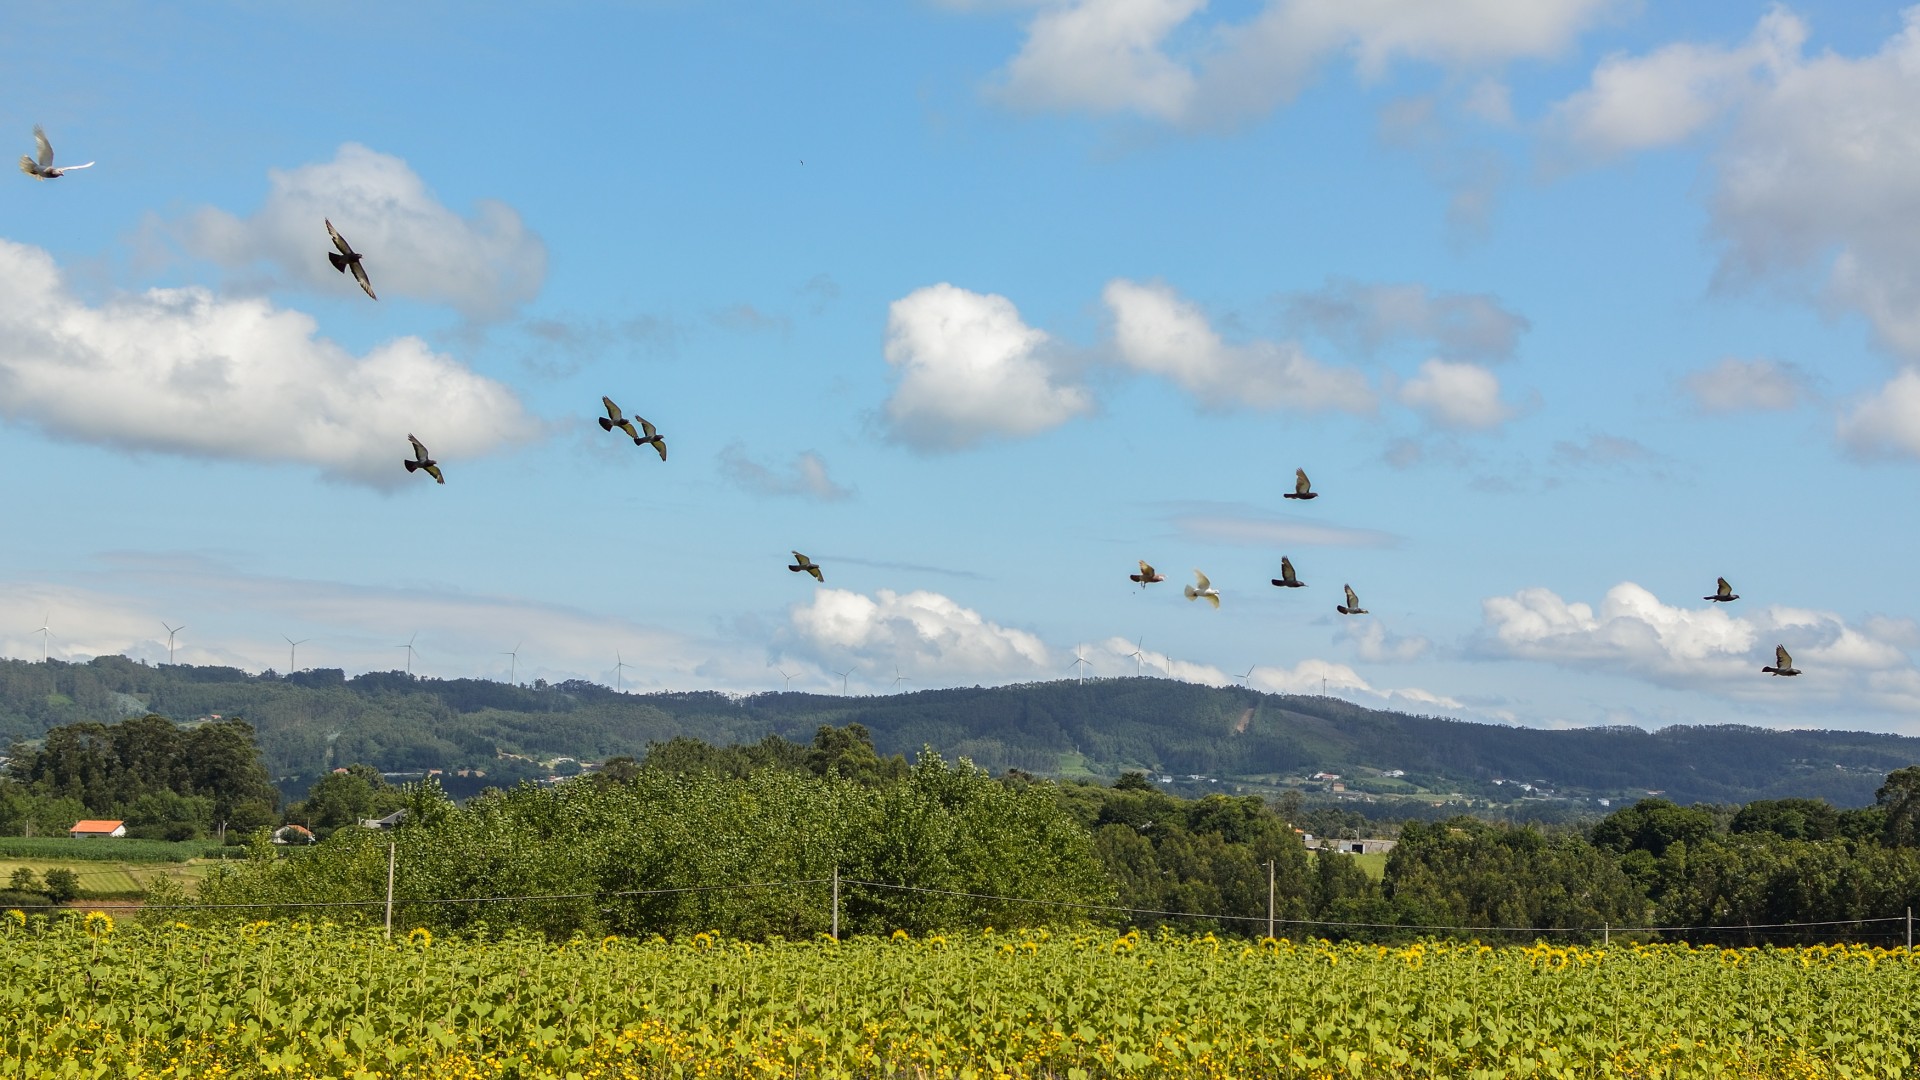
x=1365 y=317
x=484 y=265
x=1158 y=332
x=927 y=635
x=1886 y=423
x=1633 y=633
x=1665 y=97
x=1370 y=639
x=182 y=371
x=969 y=368
x=1115 y=656
x=1164 y=60
x=806 y=476
x=1735 y=385
x=1224 y=523
x=1457 y=397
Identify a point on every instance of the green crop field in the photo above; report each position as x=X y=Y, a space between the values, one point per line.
x=89 y=997
x=110 y=879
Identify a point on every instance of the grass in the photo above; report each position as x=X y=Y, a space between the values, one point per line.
x=101 y=880
x=104 y=849
x=1374 y=865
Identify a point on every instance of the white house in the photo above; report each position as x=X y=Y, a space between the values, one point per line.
x=97 y=828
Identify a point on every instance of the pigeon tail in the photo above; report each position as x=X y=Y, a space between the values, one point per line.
x=338 y=260
x=606 y=424
x=27 y=166
x=410 y=464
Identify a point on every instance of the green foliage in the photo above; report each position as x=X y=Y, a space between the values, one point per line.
x=61 y=884
x=1652 y=826
x=67 y=849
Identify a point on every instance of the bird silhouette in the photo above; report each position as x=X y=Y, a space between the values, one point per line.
x=347 y=259
x=43 y=169
x=1203 y=587
x=1782 y=663
x=613 y=419
x=423 y=460
x=1352 y=606
x=1302 y=487
x=1724 y=594
x=1147 y=575
x=802 y=564
x=1286 y=580
x=652 y=435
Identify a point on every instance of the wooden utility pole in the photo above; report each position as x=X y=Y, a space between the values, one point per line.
x=390 y=890
x=836 y=903
x=1269 y=897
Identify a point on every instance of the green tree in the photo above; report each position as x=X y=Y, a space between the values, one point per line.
x=62 y=884
x=1651 y=825
x=24 y=880
x=1899 y=797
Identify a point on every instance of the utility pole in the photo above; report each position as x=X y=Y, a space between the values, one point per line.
x=1909 y=931
x=390 y=846
x=1269 y=898
x=836 y=903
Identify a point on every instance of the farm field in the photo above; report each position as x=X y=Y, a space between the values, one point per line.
x=100 y=878
x=268 y=1000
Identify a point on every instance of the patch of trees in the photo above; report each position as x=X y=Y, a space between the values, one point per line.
x=167 y=782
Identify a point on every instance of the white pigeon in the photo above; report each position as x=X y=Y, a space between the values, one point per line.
x=1203 y=587
x=43 y=169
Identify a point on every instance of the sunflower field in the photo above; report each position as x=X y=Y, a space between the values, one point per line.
x=89 y=997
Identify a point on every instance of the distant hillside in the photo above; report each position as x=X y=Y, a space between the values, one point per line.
x=314 y=720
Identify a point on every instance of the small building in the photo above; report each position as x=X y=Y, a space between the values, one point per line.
x=388 y=822
x=293 y=834
x=90 y=828
x=1368 y=846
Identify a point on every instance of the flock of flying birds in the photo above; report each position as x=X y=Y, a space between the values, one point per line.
x=347 y=260
x=1288 y=579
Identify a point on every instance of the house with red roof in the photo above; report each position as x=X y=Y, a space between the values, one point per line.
x=97 y=828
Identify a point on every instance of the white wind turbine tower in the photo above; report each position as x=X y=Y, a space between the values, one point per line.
x=897 y=677
x=410 y=650
x=46 y=637
x=620 y=667
x=171 y=630
x=1077 y=661
x=843 y=680
x=784 y=675
x=1248 y=675
x=513 y=665
x=293 y=652
x=1136 y=655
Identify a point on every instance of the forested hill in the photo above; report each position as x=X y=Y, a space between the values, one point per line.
x=313 y=720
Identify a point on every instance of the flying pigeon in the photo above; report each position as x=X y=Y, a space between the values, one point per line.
x=613 y=419
x=803 y=564
x=1352 y=606
x=347 y=257
x=1726 y=593
x=1286 y=580
x=1302 y=487
x=43 y=169
x=1782 y=663
x=652 y=436
x=423 y=460
x=1203 y=587
x=1147 y=575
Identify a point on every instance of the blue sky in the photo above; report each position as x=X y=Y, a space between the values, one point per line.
x=1567 y=306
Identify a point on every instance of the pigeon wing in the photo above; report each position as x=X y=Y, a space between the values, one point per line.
x=1301 y=485
x=419 y=449
x=613 y=411
x=434 y=471
x=1352 y=600
x=338 y=240
x=1201 y=581
x=1725 y=589
x=1286 y=569
x=660 y=444
x=44 y=147
x=1214 y=599
x=360 y=275
x=1781 y=658
x=627 y=427
x=1146 y=571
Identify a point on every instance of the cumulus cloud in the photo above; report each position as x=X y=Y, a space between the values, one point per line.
x=1456 y=396
x=969 y=368
x=1633 y=633
x=806 y=475
x=1370 y=639
x=1310 y=676
x=1167 y=61
x=1157 y=332
x=925 y=634
x=1668 y=95
x=1365 y=317
x=182 y=371
x=1735 y=385
x=483 y=265
x=1886 y=423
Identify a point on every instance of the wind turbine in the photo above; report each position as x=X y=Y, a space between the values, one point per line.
x=1135 y=655
x=46 y=636
x=171 y=630
x=1248 y=675
x=843 y=681
x=1077 y=661
x=897 y=677
x=784 y=675
x=293 y=650
x=409 y=647
x=513 y=665
x=620 y=667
